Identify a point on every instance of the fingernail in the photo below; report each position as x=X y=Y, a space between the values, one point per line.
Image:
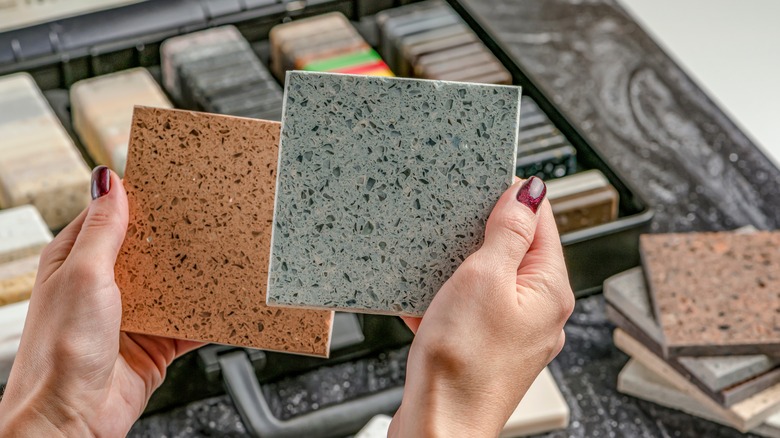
x=101 y=181
x=531 y=193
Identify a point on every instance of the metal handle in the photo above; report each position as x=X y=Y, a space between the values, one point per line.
x=339 y=420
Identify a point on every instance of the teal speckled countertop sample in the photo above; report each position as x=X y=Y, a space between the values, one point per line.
x=384 y=187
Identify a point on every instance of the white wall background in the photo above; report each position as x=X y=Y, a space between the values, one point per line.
x=732 y=49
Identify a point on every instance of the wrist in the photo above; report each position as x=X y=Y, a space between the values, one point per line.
x=441 y=408
x=40 y=416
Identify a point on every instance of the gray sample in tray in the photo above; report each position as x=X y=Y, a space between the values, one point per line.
x=384 y=187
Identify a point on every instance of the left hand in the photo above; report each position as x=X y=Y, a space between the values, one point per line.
x=75 y=373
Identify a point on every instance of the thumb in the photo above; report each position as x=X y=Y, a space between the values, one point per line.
x=512 y=224
x=105 y=225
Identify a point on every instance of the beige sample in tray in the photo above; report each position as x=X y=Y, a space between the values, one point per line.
x=39 y=163
x=102 y=109
x=194 y=264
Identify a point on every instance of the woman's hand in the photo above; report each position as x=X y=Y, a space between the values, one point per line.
x=492 y=327
x=75 y=374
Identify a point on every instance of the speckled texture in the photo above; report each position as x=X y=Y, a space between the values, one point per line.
x=102 y=110
x=628 y=294
x=193 y=265
x=22 y=233
x=17 y=279
x=40 y=165
x=384 y=187
x=726 y=379
x=738 y=311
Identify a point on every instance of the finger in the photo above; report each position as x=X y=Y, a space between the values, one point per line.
x=543 y=270
x=105 y=225
x=58 y=249
x=512 y=224
x=544 y=262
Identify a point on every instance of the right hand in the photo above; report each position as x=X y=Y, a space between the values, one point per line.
x=493 y=326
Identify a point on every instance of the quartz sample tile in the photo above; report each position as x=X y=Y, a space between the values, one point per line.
x=191 y=47
x=194 y=262
x=217 y=71
x=543 y=409
x=297 y=44
x=415 y=38
x=728 y=379
x=743 y=416
x=384 y=187
x=542 y=150
x=582 y=200
x=40 y=165
x=17 y=279
x=12 y=318
x=281 y=37
x=376 y=428
x=102 y=109
x=638 y=381
x=22 y=233
x=738 y=313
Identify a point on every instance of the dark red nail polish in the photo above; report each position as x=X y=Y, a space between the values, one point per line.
x=101 y=181
x=531 y=193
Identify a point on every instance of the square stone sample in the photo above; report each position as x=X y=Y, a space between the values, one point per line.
x=582 y=200
x=743 y=416
x=39 y=164
x=17 y=279
x=102 y=109
x=22 y=233
x=715 y=293
x=638 y=381
x=195 y=46
x=384 y=188
x=195 y=259
x=727 y=379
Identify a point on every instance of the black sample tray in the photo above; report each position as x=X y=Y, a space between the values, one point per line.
x=60 y=53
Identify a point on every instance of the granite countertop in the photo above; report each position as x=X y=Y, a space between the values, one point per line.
x=656 y=128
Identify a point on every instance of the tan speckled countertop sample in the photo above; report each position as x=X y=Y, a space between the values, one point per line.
x=194 y=264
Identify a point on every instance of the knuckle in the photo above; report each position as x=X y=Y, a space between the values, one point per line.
x=48 y=252
x=521 y=229
x=83 y=273
x=103 y=221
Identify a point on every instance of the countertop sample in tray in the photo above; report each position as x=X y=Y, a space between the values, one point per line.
x=195 y=259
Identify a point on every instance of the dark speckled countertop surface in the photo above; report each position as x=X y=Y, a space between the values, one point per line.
x=655 y=128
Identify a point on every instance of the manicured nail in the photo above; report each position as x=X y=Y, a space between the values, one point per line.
x=101 y=181
x=531 y=193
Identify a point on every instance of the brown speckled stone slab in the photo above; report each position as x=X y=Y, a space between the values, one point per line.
x=194 y=263
x=715 y=293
